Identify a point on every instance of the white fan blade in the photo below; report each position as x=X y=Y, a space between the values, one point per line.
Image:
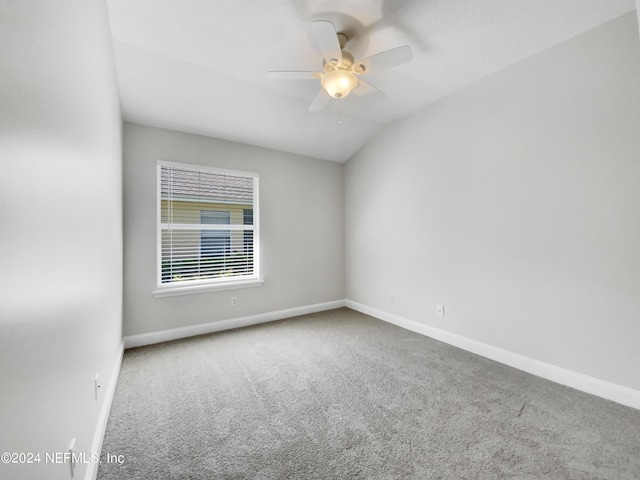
x=387 y=59
x=365 y=88
x=320 y=101
x=326 y=38
x=294 y=75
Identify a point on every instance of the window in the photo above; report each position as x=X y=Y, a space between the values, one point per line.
x=215 y=243
x=207 y=229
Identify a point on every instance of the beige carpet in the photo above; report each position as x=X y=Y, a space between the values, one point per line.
x=340 y=395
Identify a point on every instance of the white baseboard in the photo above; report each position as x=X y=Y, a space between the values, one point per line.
x=220 y=325
x=610 y=391
x=101 y=427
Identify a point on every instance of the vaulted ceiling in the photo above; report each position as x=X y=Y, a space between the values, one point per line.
x=200 y=66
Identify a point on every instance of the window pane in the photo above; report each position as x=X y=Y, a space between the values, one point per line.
x=215 y=243
x=247 y=216
x=184 y=257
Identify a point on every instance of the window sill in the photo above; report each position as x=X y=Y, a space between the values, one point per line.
x=211 y=287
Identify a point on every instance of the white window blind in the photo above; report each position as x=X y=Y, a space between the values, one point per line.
x=207 y=226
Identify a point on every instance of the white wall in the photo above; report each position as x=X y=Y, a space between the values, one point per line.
x=515 y=203
x=61 y=228
x=301 y=228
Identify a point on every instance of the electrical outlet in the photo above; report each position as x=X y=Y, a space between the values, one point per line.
x=234 y=301
x=96 y=385
x=72 y=459
x=440 y=310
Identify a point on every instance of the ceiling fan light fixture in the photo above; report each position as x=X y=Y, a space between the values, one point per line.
x=339 y=83
x=340 y=74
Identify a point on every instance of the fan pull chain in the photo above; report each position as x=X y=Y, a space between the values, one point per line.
x=339 y=128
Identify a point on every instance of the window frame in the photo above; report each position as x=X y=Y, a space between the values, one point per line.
x=212 y=284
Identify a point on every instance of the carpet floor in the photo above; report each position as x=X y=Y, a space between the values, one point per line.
x=341 y=395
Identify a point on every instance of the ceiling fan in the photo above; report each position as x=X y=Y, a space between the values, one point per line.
x=340 y=74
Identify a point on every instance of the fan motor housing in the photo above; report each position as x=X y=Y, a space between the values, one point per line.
x=346 y=64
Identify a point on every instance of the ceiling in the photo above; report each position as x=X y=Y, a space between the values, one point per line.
x=199 y=66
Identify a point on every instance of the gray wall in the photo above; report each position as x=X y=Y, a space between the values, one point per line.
x=515 y=203
x=61 y=228
x=302 y=230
